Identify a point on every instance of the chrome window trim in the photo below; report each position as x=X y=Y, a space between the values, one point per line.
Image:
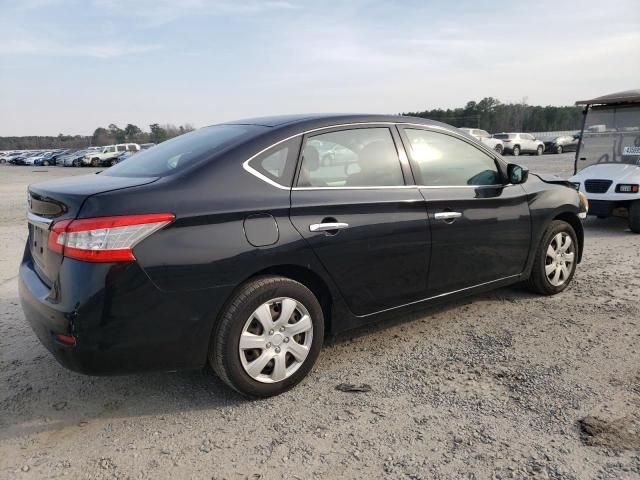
x=249 y=169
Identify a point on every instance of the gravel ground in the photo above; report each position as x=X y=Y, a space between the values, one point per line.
x=503 y=385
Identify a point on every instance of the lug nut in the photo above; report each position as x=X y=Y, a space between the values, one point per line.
x=286 y=339
x=268 y=345
x=282 y=329
x=270 y=332
x=277 y=349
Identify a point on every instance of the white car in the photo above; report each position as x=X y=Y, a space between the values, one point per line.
x=484 y=136
x=607 y=166
x=516 y=143
x=108 y=155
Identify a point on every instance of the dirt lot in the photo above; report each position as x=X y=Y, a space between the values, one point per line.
x=505 y=385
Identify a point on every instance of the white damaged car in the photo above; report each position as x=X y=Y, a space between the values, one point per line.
x=607 y=165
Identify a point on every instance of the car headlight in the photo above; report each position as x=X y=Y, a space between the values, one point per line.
x=584 y=203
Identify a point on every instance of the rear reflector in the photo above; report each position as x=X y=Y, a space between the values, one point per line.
x=66 y=339
x=105 y=239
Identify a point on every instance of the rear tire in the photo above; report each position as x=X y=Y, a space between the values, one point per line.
x=95 y=162
x=498 y=148
x=516 y=151
x=634 y=216
x=254 y=313
x=539 y=150
x=551 y=272
x=559 y=149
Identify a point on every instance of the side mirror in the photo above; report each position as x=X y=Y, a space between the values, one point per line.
x=517 y=174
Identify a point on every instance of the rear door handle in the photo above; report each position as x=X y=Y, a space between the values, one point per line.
x=328 y=226
x=447 y=215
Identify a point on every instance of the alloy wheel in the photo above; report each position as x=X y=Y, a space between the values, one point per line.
x=276 y=340
x=559 y=259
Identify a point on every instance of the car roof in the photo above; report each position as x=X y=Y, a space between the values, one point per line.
x=318 y=120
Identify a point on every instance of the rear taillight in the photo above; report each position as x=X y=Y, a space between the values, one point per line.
x=104 y=239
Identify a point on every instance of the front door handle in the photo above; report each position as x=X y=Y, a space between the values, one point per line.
x=328 y=226
x=447 y=216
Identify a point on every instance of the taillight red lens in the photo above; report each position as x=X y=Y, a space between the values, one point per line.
x=105 y=239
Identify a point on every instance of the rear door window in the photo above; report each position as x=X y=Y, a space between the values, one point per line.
x=364 y=157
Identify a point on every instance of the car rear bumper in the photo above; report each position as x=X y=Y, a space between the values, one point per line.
x=121 y=322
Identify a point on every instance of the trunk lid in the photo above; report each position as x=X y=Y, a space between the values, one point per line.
x=61 y=199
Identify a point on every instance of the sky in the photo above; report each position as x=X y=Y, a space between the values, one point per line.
x=69 y=66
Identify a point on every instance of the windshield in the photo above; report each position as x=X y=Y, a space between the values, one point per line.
x=611 y=135
x=177 y=153
x=504 y=136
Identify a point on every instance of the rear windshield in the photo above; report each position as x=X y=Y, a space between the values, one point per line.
x=503 y=136
x=178 y=153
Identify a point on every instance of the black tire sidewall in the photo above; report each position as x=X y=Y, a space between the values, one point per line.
x=556 y=227
x=516 y=151
x=232 y=323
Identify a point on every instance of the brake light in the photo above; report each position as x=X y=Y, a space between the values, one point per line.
x=105 y=239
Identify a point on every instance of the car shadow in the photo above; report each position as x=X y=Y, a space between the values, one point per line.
x=607 y=225
x=510 y=293
x=42 y=397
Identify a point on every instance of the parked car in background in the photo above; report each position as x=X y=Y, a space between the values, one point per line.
x=517 y=143
x=486 y=138
x=563 y=143
x=108 y=155
x=235 y=246
x=79 y=158
x=24 y=158
x=42 y=159
x=124 y=155
x=147 y=146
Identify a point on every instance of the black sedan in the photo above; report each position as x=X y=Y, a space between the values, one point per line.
x=563 y=143
x=238 y=245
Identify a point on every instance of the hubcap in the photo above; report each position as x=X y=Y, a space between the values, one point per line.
x=559 y=259
x=276 y=340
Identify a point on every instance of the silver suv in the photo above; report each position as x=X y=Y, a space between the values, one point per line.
x=517 y=143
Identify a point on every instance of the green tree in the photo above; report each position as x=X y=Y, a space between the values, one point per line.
x=158 y=134
x=132 y=132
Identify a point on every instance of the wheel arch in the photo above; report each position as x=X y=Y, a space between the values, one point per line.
x=573 y=220
x=309 y=279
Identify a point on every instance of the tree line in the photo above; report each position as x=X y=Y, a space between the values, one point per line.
x=489 y=114
x=493 y=116
x=101 y=136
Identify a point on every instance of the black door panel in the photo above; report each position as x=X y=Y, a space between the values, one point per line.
x=380 y=259
x=489 y=239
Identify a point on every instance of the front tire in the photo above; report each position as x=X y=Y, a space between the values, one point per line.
x=268 y=337
x=539 y=150
x=559 y=149
x=634 y=216
x=556 y=258
x=498 y=148
x=516 y=151
x=95 y=162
